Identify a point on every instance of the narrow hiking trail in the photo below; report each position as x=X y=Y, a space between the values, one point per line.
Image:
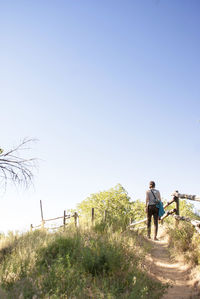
x=174 y=273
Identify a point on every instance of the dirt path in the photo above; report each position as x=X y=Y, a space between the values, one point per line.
x=177 y=274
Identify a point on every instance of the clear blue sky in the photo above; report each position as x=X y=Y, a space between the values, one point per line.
x=112 y=91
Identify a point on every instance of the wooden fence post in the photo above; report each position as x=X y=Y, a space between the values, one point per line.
x=41 y=210
x=92 y=216
x=43 y=223
x=64 y=217
x=76 y=219
x=177 y=209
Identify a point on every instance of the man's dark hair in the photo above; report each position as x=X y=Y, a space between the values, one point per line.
x=152 y=184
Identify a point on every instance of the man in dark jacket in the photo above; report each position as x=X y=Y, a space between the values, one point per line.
x=152 y=199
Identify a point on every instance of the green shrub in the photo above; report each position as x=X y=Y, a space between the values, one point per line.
x=76 y=264
x=181 y=237
x=185 y=240
x=196 y=248
x=115 y=202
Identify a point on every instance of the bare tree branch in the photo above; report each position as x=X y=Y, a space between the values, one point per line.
x=15 y=168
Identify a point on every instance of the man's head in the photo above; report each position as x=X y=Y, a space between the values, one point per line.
x=152 y=184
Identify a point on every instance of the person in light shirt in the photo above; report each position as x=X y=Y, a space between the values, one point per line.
x=152 y=199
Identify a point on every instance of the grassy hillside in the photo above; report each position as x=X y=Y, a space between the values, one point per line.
x=75 y=264
x=91 y=262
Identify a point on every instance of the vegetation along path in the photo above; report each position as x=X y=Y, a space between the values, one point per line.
x=174 y=273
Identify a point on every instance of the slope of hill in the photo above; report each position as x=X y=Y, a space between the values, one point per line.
x=100 y=263
x=76 y=264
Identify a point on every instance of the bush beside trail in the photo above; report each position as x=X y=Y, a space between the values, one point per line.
x=184 y=239
x=75 y=264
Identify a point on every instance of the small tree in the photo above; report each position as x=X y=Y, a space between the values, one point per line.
x=114 y=201
x=138 y=210
x=15 y=168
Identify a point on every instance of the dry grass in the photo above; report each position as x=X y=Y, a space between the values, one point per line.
x=83 y=263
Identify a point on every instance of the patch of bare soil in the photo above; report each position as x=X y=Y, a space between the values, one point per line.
x=175 y=273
